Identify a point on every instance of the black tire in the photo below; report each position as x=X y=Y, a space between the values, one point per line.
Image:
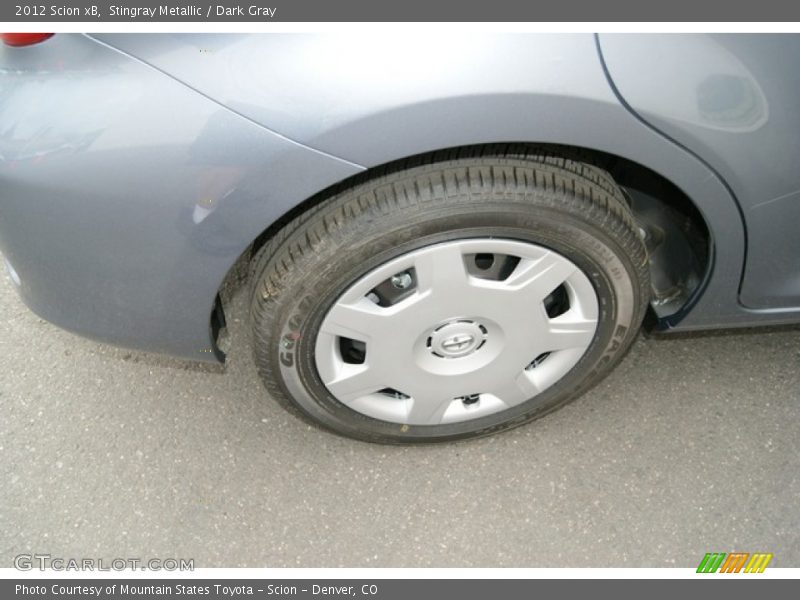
x=561 y=204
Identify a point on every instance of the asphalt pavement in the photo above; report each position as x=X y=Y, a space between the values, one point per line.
x=690 y=446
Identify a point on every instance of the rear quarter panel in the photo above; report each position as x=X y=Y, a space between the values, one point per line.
x=384 y=94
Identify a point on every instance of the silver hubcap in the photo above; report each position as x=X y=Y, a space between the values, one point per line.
x=456 y=331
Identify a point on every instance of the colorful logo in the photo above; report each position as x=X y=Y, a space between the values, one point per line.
x=734 y=562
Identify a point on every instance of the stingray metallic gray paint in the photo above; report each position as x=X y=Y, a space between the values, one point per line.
x=136 y=168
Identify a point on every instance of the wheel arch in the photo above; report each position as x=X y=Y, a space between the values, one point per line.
x=666 y=199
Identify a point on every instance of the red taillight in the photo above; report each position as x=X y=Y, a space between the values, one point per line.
x=24 y=39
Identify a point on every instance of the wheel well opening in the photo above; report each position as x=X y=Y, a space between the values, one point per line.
x=676 y=235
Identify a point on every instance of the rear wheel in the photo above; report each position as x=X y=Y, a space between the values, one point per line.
x=449 y=300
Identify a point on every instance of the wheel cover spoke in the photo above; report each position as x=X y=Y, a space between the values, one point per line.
x=537 y=278
x=360 y=321
x=354 y=381
x=516 y=390
x=441 y=270
x=427 y=408
x=568 y=334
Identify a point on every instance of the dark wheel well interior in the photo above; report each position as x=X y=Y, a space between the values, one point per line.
x=677 y=237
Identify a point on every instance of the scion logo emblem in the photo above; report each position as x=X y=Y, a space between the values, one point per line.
x=457 y=339
x=457 y=342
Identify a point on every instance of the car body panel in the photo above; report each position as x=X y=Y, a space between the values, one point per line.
x=733 y=100
x=125 y=197
x=378 y=98
x=137 y=168
x=344 y=95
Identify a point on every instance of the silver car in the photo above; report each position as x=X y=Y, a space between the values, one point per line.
x=447 y=236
